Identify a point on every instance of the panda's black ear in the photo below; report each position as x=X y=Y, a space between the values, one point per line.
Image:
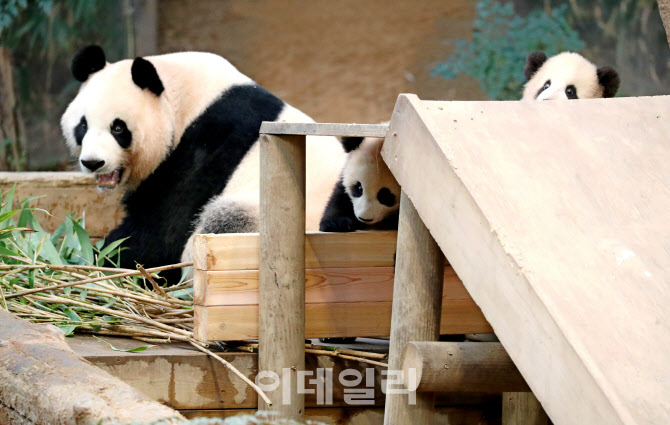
x=145 y=76
x=351 y=143
x=609 y=80
x=87 y=61
x=533 y=62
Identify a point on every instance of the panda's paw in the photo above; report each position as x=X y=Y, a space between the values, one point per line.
x=338 y=224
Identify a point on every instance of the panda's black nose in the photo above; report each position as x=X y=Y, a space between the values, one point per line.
x=92 y=164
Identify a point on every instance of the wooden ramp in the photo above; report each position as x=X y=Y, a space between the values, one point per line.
x=556 y=216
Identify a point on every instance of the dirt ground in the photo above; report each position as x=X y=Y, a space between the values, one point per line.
x=343 y=61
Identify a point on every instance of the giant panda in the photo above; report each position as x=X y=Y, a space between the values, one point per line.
x=567 y=75
x=177 y=131
x=367 y=196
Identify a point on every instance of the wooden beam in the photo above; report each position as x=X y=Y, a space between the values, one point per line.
x=62 y=193
x=522 y=408
x=324 y=129
x=460 y=366
x=559 y=232
x=42 y=382
x=240 y=322
x=281 y=321
x=328 y=285
x=417 y=292
x=240 y=251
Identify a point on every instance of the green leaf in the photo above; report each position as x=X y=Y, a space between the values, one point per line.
x=67 y=329
x=85 y=243
x=83 y=294
x=9 y=214
x=72 y=315
x=108 y=249
x=131 y=350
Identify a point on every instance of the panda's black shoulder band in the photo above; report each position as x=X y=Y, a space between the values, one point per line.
x=87 y=61
x=145 y=76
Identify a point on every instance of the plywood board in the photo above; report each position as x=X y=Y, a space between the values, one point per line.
x=240 y=322
x=240 y=251
x=336 y=285
x=555 y=216
x=62 y=193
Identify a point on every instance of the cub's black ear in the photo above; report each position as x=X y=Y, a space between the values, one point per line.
x=351 y=143
x=609 y=80
x=145 y=76
x=533 y=62
x=87 y=61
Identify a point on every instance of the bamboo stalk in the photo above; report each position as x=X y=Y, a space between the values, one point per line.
x=98 y=279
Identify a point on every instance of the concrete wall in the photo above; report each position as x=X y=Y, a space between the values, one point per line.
x=338 y=61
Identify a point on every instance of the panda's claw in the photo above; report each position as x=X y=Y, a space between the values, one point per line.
x=338 y=224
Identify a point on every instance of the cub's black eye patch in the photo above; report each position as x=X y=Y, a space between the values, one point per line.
x=80 y=130
x=571 y=92
x=546 y=85
x=385 y=197
x=357 y=190
x=120 y=131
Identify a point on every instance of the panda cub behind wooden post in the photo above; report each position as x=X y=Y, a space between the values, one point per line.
x=367 y=196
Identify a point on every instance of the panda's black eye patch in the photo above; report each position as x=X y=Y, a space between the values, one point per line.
x=80 y=130
x=357 y=190
x=571 y=92
x=120 y=131
x=385 y=197
x=546 y=85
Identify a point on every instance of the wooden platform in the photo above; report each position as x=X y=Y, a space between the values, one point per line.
x=349 y=287
x=560 y=230
x=186 y=379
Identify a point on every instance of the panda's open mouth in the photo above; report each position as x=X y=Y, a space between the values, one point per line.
x=109 y=180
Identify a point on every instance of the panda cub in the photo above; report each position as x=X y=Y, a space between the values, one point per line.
x=567 y=76
x=178 y=132
x=367 y=195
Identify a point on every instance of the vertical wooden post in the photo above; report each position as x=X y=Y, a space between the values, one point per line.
x=282 y=269
x=417 y=302
x=522 y=409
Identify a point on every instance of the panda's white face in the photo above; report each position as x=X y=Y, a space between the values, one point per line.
x=565 y=76
x=117 y=130
x=373 y=190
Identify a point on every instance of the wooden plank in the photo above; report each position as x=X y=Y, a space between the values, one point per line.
x=240 y=251
x=281 y=282
x=416 y=310
x=480 y=415
x=240 y=322
x=324 y=129
x=42 y=381
x=62 y=193
x=330 y=285
x=559 y=231
x=522 y=408
x=460 y=366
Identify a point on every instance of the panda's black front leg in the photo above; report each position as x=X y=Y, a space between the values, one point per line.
x=339 y=214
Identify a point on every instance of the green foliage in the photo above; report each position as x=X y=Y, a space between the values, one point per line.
x=500 y=43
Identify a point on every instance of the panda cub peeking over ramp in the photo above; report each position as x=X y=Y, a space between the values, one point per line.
x=177 y=131
x=567 y=75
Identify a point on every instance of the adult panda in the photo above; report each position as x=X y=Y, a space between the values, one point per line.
x=176 y=131
x=567 y=75
x=367 y=196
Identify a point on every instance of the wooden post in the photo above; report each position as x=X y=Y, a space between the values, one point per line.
x=522 y=409
x=461 y=366
x=282 y=270
x=417 y=295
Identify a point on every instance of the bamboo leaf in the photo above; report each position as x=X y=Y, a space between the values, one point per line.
x=85 y=243
x=132 y=350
